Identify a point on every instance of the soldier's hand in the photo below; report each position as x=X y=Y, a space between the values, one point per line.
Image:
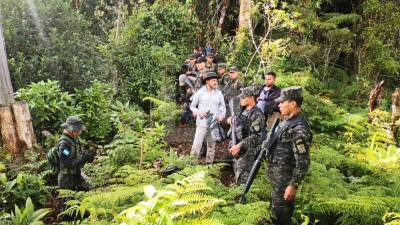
x=234 y=150
x=290 y=193
x=89 y=156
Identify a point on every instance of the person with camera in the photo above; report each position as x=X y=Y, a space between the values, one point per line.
x=72 y=157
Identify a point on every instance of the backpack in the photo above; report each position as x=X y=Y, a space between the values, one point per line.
x=52 y=155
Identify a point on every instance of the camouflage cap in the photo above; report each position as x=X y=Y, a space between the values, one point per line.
x=233 y=69
x=211 y=75
x=221 y=66
x=73 y=123
x=248 y=91
x=292 y=93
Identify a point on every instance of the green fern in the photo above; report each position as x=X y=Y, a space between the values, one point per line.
x=176 y=204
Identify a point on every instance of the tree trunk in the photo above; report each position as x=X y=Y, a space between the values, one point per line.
x=244 y=14
x=23 y=125
x=16 y=128
x=395 y=114
x=8 y=132
x=375 y=98
x=222 y=16
x=6 y=90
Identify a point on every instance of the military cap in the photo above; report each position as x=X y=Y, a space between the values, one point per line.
x=201 y=60
x=292 y=93
x=248 y=91
x=221 y=65
x=73 y=123
x=233 y=69
x=192 y=56
x=211 y=75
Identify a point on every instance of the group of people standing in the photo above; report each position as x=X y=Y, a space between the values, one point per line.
x=207 y=90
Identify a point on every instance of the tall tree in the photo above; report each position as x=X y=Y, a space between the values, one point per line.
x=6 y=90
x=244 y=14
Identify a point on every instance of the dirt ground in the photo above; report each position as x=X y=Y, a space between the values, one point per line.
x=181 y=139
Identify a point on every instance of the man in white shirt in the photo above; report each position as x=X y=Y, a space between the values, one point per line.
x=207 y=105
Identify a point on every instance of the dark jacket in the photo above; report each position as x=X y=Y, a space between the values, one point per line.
x=270 y=104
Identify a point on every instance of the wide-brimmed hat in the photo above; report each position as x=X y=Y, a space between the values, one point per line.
x=211 y=75
x=73 y=123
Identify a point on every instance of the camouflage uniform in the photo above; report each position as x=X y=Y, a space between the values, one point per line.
x=289 y=159
x=251 y=125
x=72 y=159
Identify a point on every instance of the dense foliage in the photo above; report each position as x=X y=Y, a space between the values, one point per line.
x=114 y=63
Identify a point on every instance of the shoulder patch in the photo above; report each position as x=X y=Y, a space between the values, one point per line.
x=301 y=148
x=66 y=152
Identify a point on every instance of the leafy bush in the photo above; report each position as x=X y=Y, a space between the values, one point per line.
x=16 y=191
x=93 y=105
x=49 y=106
x=28 y=216
x=155 y=40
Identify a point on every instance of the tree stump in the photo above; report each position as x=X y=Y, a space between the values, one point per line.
x=16 y=128
x=395 y=114
x=375 y=98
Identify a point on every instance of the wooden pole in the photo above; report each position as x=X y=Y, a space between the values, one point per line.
x=6 y=90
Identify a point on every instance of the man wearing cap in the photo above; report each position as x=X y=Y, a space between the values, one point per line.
x=71 y=156
x=207 y=105
x=224 y=75
x=201 y=72
x=289 y=155
x=233 y=85
x=266 y=100
x=210 y=61
x=251 y=124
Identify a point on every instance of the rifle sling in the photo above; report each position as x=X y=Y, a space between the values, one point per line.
x=289 y=123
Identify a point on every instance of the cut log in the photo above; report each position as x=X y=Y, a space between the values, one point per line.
x=8 y=132
x=16 y=129
x=23 y=125
x=395 y=115
x=375 y=98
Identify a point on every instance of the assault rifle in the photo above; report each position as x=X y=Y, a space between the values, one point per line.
x=257 y=164
x=233 y=123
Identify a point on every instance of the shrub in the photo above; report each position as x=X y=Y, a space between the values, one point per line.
x=93 y=105
x=49 y=106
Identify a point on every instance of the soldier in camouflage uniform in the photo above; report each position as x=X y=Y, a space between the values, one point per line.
x=231 y=88
x=224 y=76
x=289 y=158
x=251 y=124
x=71 y=156
x=210 y=61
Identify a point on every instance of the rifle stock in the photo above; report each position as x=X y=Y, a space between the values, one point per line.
x=257 y=163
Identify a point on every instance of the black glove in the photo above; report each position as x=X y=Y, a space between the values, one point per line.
x=89 y=156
